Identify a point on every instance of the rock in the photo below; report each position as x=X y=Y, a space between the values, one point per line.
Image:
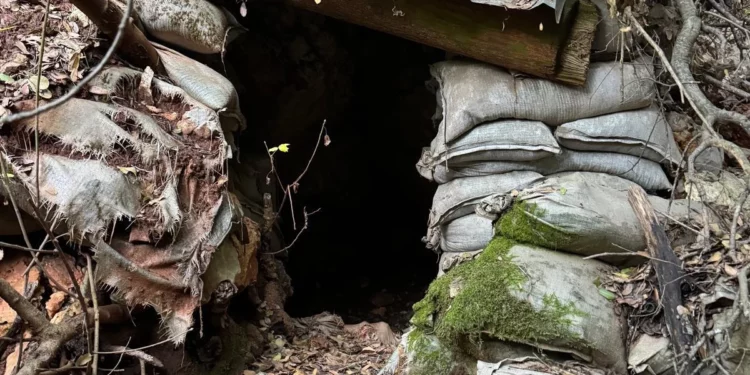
x=651 y=355
x=12 y=267
x=55 y=302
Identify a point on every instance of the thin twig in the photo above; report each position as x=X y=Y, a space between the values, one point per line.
x=122 y=354
x=24 y=248
x=683 y=92
x=142 y=348
x=36 y=96
x=68 y=269
x=94 y=72
x=307 y=215
x=95 y=301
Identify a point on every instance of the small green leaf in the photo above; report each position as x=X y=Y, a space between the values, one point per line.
x=6 y=78
x=563 y=191
x=607 y=294
x=43 y=83
x=83 y=360
x=284 y=147
x=597 y=282
x=273 y=149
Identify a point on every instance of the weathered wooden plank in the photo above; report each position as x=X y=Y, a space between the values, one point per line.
x=528 y=41
x=668 y=272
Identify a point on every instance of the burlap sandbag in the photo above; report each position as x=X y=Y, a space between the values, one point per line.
x=647 y=173
x=579 y=212
x=459 y=197
x=643 y=133
x=508 y=140
x=471 y=93
x=196 y=25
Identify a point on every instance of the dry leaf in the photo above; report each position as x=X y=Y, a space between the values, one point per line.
x=715 y=257
x=326 y=140
x=96 y=90
x=731 y=271
x=50 y=190
x=126 y=170
x=317 y=1
x=73 y=66
x=170 y=116
x=22 y=47
x=153 y=109
x=248 y=372
x=243 y=9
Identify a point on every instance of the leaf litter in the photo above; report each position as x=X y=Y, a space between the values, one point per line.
x=323 y=344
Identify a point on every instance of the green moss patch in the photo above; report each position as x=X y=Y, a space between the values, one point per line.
x=522 y=223
x=428 y=358
x=482 y=304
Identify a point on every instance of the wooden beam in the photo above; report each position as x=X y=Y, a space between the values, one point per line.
x=668 y=272
x=528 y=41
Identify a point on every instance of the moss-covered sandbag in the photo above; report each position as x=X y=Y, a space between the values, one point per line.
x=525 y=295
x=459 y=197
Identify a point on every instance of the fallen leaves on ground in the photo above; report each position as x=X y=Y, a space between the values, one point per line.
x=323 y=345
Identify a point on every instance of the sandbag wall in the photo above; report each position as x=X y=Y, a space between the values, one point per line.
x=536 y=174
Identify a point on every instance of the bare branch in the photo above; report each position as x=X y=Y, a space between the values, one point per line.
x=23 y=307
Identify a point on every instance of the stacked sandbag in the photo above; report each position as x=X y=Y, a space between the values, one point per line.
x=534 y=177
x=196 y=25
x=493 y=123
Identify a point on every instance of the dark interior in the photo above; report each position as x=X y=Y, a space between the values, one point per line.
x=363 y=249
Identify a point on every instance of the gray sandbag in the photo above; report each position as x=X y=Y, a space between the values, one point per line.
x=468 y=233
x=196 y=25
x=643 y=133
x=472 y=93
x=581 y=213
x=511 y=140
x=459 y=197
x=647 y=173
x=522 y=294
x=205 y=85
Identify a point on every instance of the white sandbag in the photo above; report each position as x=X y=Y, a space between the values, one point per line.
x=644 y=133
x=647 y=173
x=511 y=140
x=459 y=197
x=472 y=93
x=511 y=290
x=468 y=233
x=205 y=85
x=196 y=25
x=582 y=213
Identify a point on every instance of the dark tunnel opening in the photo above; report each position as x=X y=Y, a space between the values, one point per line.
x=361 y=256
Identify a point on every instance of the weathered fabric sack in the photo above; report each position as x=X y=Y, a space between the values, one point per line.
x=643 y=133
x=472 y=93
x=468 y=233
x=511 y=140
x=581 y=213
x=459 y=197
x=647 y=173
x=521 y=294
x=196 y=25
x=205 y=85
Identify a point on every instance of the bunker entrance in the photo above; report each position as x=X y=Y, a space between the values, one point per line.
x=360 y=255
